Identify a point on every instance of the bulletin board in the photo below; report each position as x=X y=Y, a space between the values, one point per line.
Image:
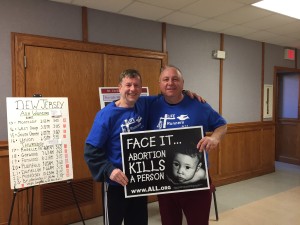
x=39 y=141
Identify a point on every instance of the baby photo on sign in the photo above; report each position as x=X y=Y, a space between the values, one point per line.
x=164 y=161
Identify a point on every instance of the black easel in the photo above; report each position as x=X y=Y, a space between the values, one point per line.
x=13 y=203
x=32 y=196
x=76 y=202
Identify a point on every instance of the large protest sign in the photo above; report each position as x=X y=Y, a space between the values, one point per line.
x=39 y=141
x=164 y=161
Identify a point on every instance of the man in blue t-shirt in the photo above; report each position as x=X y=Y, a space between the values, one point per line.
x=172 y=110
x=102 y=151
x=103 y=155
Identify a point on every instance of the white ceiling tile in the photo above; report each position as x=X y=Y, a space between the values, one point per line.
x=262 y=36
x=293 y=44
x=145 y=11
x=104 y=5
x=211 y=8
x=249 y=2
x=270 y=21
x=242 y=15
x=212 y=25
x=295 y=34
x=281 y=39
x=210 y=15
x=238 y=30
x=182 y=19
x=169 y=4
x=287 y=28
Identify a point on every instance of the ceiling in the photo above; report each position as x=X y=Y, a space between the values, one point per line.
x=231 y=17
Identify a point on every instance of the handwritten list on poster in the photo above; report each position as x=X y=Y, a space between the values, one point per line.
x=39 y=141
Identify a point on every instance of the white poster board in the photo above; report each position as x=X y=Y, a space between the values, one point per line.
x=109 y=94
x=39 y=141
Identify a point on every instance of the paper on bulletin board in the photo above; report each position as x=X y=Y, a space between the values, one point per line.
x=39 y=141
x=110 y=94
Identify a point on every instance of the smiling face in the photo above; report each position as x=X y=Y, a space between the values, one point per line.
x=171 y=84
x=130 y=89
x=184 y=167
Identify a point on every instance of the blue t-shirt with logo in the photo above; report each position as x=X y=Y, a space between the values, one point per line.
x=111 y=121
x=189 y=112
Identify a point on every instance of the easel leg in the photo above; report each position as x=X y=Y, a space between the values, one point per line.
x=13 y=203
x=12 y=206
x=215 y=204
x=32 y=201
x=75 y=199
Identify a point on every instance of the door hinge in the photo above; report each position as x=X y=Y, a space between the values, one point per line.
x=25 y=62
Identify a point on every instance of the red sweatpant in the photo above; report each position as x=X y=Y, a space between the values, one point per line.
x=194 y=204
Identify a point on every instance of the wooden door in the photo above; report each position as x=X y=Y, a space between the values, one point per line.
x=288 y=117
x=148 y=68
x=76 y=75
x=73 y=69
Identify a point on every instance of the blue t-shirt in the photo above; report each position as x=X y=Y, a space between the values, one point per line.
x=189 y=112
x=111 y=121
x=103 y=147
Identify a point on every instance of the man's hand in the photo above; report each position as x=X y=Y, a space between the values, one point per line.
x=118 y=176
x=207 y=144
x=210 y=142
x=194 y=95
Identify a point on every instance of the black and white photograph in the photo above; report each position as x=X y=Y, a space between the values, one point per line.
x=164 y=161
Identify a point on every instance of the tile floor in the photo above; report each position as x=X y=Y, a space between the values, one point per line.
x=255 y=196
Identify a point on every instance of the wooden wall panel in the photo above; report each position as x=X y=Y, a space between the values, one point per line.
x=213 y=162
x=6 y=194
x=246 y=151
x=288 y=141
x=268 y=146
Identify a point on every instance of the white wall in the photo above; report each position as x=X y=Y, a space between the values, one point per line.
x=189 y=49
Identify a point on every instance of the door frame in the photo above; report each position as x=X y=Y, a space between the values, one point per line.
x=277 y=73
x=20 y=41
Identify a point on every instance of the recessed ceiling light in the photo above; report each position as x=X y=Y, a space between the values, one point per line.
x=285 y=7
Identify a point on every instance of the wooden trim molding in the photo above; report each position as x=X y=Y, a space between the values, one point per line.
x=3 y=144
x=262 y=80
x=3 y=148
x=85 y=37
x=164 y=37
x=221 y=76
